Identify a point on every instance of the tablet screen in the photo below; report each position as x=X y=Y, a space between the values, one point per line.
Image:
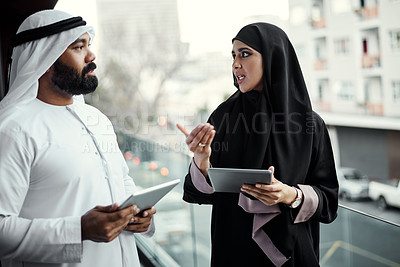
x=146 y=198
x=231 y=180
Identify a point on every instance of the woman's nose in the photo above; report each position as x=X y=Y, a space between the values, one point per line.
x=236 y=64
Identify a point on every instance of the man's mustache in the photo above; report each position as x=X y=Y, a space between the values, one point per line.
x=91 y=66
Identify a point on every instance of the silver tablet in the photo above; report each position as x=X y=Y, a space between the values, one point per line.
x=147 y=198
x=231 y=180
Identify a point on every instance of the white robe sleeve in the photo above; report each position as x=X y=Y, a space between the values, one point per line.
x=39 y=240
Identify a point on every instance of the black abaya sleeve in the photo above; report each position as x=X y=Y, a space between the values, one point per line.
x=192 y=195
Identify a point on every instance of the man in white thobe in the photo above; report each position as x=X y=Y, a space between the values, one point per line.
x=60 y=165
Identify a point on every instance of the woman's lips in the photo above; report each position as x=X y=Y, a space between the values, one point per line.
x=240 y=78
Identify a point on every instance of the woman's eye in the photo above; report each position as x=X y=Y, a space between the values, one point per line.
x=233 y=56
x=245 y=54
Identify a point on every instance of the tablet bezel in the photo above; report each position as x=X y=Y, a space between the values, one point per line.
x=230 y=180
x=147 y=198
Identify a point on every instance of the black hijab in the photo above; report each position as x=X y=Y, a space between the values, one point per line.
x=272 y=125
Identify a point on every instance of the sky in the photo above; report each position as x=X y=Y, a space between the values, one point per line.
x=207 y=25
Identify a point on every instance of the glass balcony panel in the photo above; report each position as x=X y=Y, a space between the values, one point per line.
x=356 y=239
x=183 y=230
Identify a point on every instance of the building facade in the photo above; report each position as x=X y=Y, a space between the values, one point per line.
x=350 y=56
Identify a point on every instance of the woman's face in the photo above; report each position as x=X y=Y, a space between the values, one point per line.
x=247 y=67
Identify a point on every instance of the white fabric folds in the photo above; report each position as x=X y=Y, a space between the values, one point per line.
x=31 y=60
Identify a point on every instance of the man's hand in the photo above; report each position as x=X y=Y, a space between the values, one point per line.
x=140 y=224
x=105 y=223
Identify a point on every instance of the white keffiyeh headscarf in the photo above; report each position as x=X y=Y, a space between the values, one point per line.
x=32 y=59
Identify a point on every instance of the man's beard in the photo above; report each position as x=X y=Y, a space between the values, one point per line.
x=70 y=81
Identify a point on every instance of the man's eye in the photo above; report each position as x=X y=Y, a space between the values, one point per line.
x=79 y=47
x=233 y=56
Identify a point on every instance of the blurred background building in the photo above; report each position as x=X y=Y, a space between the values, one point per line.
x=350 y=56
x=349 y=52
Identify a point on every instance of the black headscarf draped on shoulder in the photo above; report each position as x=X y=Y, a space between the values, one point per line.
x=273 y=124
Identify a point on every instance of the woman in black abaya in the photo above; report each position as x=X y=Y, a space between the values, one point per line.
x=267 y=124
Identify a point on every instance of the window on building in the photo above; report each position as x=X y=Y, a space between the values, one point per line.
x=317 y=14
x=394 y=36
x=345 y=91
x=320 y=48
x=373 y=90
x=342 y=46
x=322 y=89
x=316 y=11
x=396 y=91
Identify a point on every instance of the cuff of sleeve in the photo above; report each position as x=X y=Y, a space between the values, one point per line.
x=310 y=204
x=198 y=179
x=73 y=239
x=151 y=230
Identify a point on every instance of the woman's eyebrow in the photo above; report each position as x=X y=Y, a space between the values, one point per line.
x=243 y=48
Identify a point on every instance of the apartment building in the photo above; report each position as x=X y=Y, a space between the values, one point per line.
x=350 y=55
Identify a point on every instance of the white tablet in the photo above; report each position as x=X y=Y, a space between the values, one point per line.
x=231 y=180
x=147 y=198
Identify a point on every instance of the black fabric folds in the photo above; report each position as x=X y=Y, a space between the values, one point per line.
x=276 y=127
x=47 y=30
x=281 y=112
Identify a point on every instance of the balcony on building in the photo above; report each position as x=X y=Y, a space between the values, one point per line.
x=367 y=10
x=323 y=99
x=373 y=95
x=317 y=19
x=371 y=56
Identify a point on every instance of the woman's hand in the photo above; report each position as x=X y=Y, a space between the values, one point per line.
x=271 y=194
x=198 y=141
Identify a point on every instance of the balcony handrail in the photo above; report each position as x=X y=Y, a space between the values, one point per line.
x=369 y=215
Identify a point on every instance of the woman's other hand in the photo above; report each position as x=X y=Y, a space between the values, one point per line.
x=198 y=141
x=271 y=194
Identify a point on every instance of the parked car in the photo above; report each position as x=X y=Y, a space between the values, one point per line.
x=352 y=184
x=386 y=194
